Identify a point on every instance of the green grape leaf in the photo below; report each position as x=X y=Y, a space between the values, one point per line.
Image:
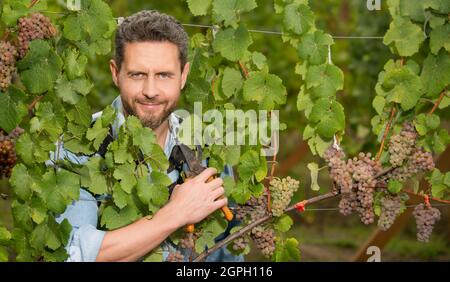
x=211 y=229
x=92 y=21
x=125 y=173
x=324 y=80
x=228 y=11
x=439 y=38
x=298 y=19
x=436 y=73
x=241 y=193
x=74 y=64
x=314 y=47
x=60 y=189
x=287 y=250
x=11 y=111
x=378 y=104
x=231 y=82
x=5 y=235
x=40 y=68
x=249 y=165
x=304 y=102
x=259 y=60
x=232 y=43
x=265 y=89
x=119 y=196
x=329 y=116
x=112 y=218
x=38 y=210
x=403 y=87
x=283 y=223
x=199 y=7
x=394 y=186
x=92 y=176
x=20 y=181
x=15 y=9
x=3 y=254
x=406 y=36
x=97 y=133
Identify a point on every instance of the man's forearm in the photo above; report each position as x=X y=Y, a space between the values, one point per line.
x=132 y=242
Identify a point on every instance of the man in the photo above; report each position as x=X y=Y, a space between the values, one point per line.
x=150 y=68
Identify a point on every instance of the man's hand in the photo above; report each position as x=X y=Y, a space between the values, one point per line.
x=195 y=199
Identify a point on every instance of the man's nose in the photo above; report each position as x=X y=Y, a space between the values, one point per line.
x=150 y=87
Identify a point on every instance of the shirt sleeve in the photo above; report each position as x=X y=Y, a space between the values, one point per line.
x=85 y=240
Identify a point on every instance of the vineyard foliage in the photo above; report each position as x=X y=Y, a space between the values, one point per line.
x=45 y=90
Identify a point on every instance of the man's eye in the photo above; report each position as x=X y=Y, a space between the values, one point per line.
x=137 y=75
x=164 y=75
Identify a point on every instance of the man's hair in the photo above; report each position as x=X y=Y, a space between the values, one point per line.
x=150 y=25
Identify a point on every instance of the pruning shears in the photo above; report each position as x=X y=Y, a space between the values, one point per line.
x=184 y=154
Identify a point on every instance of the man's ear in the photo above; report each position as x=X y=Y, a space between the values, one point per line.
x=114 y=71
x=184 y=74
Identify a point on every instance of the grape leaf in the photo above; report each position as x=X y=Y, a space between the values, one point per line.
x=324 y=80
x=228 y=11
x=329 y=116
x=405 y=35
x=298 y=18
x=231 y=82
x=92 y=21
x=440 y=38
x=199 y=7
x=15 y=9
x=40 y=68
x=314 y=47
x=436 y=73
x=403 y=87
x=11 y=112
x=232 y=43
x=266 y=89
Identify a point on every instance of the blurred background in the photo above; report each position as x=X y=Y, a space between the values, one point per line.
x=324 y=234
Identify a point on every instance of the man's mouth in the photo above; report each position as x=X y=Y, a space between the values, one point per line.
x=150 y=106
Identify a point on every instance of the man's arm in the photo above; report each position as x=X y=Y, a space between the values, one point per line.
x=190 y=203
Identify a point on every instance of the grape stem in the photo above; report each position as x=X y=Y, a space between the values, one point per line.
x=244 y=70
x=34 y=102
x=386 y=131
x=438 y=101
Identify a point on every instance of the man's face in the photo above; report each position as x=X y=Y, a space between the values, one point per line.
x=150 y=80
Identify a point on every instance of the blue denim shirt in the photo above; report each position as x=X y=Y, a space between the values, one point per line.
x=85 y=239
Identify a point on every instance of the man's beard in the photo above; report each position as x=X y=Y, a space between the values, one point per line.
x=150 y=120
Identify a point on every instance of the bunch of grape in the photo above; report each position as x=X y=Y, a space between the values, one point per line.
x=402 y=145
x=264 y=240
x=34 y=26
x=282 y=191
x=254 y=209
x=8 y=54
x=175 y=256
x=240 y=243
x=391 y=207
x=359 y=198
x=425 y=217
x=421 y=161
x=8 y=156
x=338 y=169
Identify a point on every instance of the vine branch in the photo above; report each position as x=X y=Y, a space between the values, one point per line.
x=386 y=131
x=260 y=221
